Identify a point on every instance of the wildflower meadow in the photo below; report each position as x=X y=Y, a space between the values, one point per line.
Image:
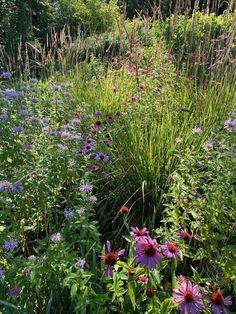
x=118 y=157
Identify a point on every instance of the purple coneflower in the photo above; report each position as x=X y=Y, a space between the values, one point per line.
x=183 y=234
x=101 y=157
x=98 y=124
x=218 y=302
x=137 y=233
x=188 y=298
x=170 y=250
x=111 y=258
x=109 y=119
x=146 y=252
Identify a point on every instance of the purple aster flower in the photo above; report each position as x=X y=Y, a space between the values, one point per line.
x=137 y=233
x=35 y=119
x=18 y=129
x=33 y=80
x=11 y=94
x=76 y=137
x=197 y=131
x=10 y=245
x=68 y=213
x=55 y=87
x=55 y=237
x=65 y=134
x=218 y=302
x=101 y=157
x=143 y=279
x=62 y=147
x=88 y=116
x=188 y=298
x=23 y=113
x=209 y=144
x=75 y=121
x=3 y=116
x=6 y=75
x=170 y=250
x=80 y=210
x=80 y=263
x=111 y=258
x=17 y=187
x=14 y=292
x=86 y=187
x=93 y=199
x=2 y=271
x=230 y=153
x=146 y=252
x=57 y=101
x=46 y=129
x=24 y=87
x=45 y=120
x=66 y=94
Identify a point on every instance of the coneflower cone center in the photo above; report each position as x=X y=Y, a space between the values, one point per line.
x=149 y=249
x=188 y=297
x=172 y=248
x=217 y=298
x=110 y=258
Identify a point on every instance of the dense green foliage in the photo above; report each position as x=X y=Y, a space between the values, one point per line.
x=134 y=126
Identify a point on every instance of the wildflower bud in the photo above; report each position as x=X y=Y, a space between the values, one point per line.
x=131 y=271
x=149 y=292
x=124 y=210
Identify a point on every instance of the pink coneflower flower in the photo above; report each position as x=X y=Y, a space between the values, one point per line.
x=143 y=279
x=111 y=258
x=146 y=252
x=218 y=302
x=170 y=250
x=181 y=279
x=183 y=234
x=188 y=298
x=197 y=130
x=137 y=233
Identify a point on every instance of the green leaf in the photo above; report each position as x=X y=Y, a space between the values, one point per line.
x=131 y=294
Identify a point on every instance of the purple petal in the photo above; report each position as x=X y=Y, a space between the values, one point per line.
x=108 y=246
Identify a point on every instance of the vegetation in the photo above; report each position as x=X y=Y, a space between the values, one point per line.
x=117 y=159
